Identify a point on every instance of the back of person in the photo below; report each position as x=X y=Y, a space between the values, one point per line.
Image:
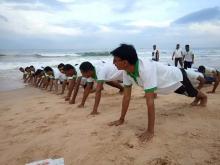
x=108 y=72
x=193 y=76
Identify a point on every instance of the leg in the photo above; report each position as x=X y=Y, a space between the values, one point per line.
x=176 y=62
x=185 y=65
x=181 y=62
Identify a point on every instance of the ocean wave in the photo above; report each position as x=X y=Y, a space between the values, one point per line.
x=95 y=54
x=57 y=55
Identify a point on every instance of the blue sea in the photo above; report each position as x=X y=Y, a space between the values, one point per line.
x=11 y=60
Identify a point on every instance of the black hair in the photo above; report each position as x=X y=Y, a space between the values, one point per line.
x=201 y=69
x=27 y=68
x=38 y=72
x=68 y=67
x=61 y=65
x=86 y=66
x=126 y=52
x=48 y=69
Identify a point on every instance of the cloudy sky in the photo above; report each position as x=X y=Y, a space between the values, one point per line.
x=103 y=24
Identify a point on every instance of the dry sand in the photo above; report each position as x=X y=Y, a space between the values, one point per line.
x=38 y=125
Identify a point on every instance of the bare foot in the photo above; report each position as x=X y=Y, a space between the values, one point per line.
x=203 y=102
x=80 y=106
x=67 y=98
x=146 y=136
x=121 y=91
x=194 y=103
x=210 y=92
x=72 y=102
x=94 y=113
x=116 y=123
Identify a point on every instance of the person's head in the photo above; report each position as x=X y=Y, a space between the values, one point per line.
x=39 y=72
x=124 y=56
x=48 y=70
x=60 y=67
x=87 y=69
x=21 y=69
x=27 y=69
x=69 y=70
x=177 y=46
x=201 y=69
x=154 y=47
x=187 y=47
x=32 y=68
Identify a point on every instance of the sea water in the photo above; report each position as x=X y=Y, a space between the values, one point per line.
x=11 y=60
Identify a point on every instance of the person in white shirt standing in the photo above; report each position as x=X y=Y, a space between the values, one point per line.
x=155 y=53
x=152 y=77
x=178 y=56
x=188 y=57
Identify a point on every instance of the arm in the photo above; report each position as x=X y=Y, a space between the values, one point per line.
x=125 y=104
x=157 y=55
x=85 y=94
x=56 y=85
x=51 y=84
x=76 y=89
x=173 y=55
x=201 y=82
x=38 y=81
x=99 y=88
x=149 y=133
x=70 y=90
x=217 y=79
x=63 y=87
x=193 y=58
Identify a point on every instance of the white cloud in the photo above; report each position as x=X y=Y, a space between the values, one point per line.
x=141 y=24
x=66 y=1
x=34 y=22
x=211 y=28
x=132 y=20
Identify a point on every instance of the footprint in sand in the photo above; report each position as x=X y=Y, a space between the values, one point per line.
x=46 y=108
x=162 y=161
x=42 y=129
x=42 y=102
x=175 y=114
x=5 y=109
x=128 y=145
x=94 y=133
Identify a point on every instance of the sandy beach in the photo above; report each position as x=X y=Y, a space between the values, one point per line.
x=37 y=125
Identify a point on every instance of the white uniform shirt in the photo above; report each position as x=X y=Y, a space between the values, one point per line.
x=58 y=75
x=188 y=56
x=192 y=76
x=154 y=75
x=178 y=53
x=209 y=72
x=107 y=72
x=154 y=53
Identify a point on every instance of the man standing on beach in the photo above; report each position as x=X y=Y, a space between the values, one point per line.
x=153 y=77
x=188 y=57
x=155 y=53
x=178 y=56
